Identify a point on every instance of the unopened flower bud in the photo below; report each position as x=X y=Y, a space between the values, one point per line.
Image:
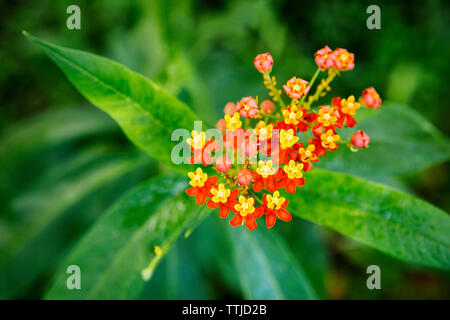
x=267 y=106
x=221 y=125
x=244 y=177
x=360 y=139
x=223 y=164
x=230 y=108
x=371 y=98
x=263 y=62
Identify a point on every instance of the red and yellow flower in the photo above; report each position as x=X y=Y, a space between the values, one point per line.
x=245 y=213
x=329 y=140
x=292 y=177
x=263 y=130
x=247 y=107
x=201 y=185
x=324 y=58
x=296 y=88
x=347 y=109
x=343 y=60
x=233 y=122
x=223 y=198
x=279 y=139
x=273 y=207
x=264 y=176
x=201 y=148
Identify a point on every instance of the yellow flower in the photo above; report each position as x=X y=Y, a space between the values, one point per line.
x=327 y=118
x=307 y=154
x=198 y=178
x=220 y=194
x=349 y=106
x=263 y=131
x=197 y=141
x=275 y=202
x=245 y=206
x=265 y=168
x=293 y=170
x=292 y=115
x=287 y=138
x=233 y=122
x=329 y=139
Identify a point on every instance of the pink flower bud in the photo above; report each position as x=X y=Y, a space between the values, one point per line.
x=371 y=98
x=360 y=139
x=223 y=164
x=263 y=62
x=244 y=177
x=230 y=108
x=267 y=106
x=221 y=125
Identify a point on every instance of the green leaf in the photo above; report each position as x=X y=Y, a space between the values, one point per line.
x=179 y=276
x=49 y=129
x=147 y=114
x=307 y=244
x=266 y=267
x=401 y=141
x=40 y=217
x=114 y=253
x=376 y=215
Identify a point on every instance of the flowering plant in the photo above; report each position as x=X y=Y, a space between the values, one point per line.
x=290 y=136
x=248 y=169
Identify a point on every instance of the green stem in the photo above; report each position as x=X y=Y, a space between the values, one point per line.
x=274 y=90
x=311 y=83
x=255 y=196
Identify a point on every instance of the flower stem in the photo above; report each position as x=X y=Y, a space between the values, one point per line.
x=311 y=83
x=324 y=85
x=255 y=196
x=273 y=91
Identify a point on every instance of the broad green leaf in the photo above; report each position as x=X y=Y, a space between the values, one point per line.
x=49 y=129
x=179 y=276
x=401 y=141
x=41 y=216
x=118 y=252
x=147 y=114
x=266 y=267
x=376 y=215
x=307 y=243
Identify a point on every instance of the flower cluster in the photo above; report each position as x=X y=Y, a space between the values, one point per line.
x=266 y=148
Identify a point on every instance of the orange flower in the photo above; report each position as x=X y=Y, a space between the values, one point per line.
x=223 y=198
x=292 y=177
x=346 y=109
x=245 y=209
x=201 y=185
x=324 y=58
x=329 y=140
x=308 y=153
x=273 y=207
x=292 y=115
x=343 y=60
x=326 y=116
x=296 y=88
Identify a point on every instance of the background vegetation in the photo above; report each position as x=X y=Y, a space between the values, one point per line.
x=63 y=162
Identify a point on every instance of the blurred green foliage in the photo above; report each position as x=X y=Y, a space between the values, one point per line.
x=202 y=52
